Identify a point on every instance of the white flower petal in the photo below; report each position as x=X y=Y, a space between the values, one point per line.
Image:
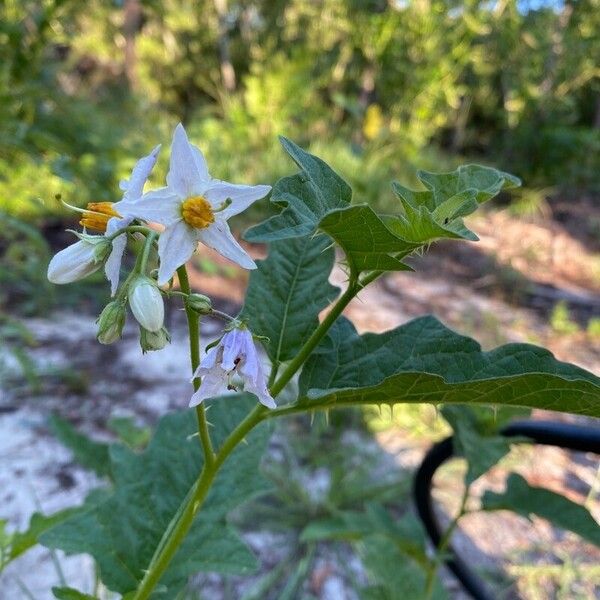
x=241 y=196
x=73 y=263
x=218 y=237
x=175 y=247
x=258 y=386
x=252 y=373
x=187 y=169
x=160 y=206
x=208 y=362
x=112 y=267
x=140 y=173
x=201 y=165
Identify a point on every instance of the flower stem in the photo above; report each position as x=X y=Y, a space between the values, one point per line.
x=152 y=235
x=129 y=229
x=193 y=320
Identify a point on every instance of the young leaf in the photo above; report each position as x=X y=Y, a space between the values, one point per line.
x=308 y=196
x=525 y=500
x=423 y=361
x=438 y=212
x=123 y=531
x=287 y=292
x=317 y=198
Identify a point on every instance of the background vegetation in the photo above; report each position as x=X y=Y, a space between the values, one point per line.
x=378 y=87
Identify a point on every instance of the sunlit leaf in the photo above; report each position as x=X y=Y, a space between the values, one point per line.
x=318 y=199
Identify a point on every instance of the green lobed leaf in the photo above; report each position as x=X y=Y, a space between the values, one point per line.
x=123 y=531
x=319 y=199
x=287 y=292
x=307 y=197
x=21 y=541
x=424 y=361
x=368 y=243
x=525 y=500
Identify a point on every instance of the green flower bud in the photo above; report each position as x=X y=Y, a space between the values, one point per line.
x=200 y=303
x=153 y=340
x=111 y=322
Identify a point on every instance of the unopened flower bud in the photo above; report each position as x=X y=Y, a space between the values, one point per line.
x=200 y=303
x=79 y=259
x=111 y=322
x=154 y=340
x=147 y=304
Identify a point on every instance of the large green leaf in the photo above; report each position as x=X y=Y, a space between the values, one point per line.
x=424 y=361
x=287 y=292
x=123 y=531
x=525 y=500
x=317 y=198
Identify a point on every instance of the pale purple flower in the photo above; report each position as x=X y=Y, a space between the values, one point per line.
x=234 y=354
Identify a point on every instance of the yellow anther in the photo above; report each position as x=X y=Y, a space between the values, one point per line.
x=197 y=212
x=97 y=215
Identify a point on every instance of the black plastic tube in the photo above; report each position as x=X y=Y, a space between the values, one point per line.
x=550 y=433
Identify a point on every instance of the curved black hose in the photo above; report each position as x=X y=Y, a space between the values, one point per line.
x=550 y=433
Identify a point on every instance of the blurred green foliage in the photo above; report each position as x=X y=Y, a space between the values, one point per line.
x=383 y=85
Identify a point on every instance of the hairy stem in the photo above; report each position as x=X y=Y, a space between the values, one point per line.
x=193 y=320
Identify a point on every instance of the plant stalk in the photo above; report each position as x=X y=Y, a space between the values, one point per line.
x=193 y=320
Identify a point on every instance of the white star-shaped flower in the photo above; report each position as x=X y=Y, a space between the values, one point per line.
x=234 y=354
x=194 y=208
x=84 y=257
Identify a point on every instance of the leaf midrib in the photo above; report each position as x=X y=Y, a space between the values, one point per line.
x=289 y=300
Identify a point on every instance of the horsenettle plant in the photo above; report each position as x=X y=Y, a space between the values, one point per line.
x=164 y=517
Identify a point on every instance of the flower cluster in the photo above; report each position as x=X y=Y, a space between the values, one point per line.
x=193 y=207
